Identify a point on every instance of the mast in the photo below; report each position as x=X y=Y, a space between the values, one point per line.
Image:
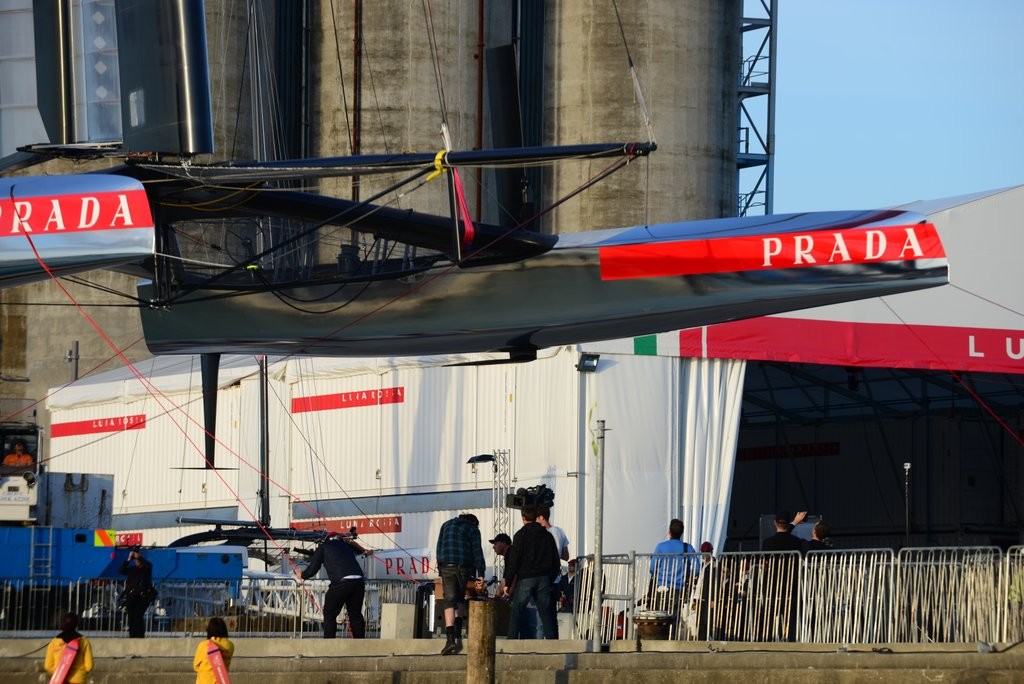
x=264 y=490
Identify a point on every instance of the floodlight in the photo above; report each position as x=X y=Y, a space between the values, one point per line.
x=588 y=362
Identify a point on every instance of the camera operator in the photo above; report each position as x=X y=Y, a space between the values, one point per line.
x=139 y=591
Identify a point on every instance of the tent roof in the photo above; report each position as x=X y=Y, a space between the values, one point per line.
x=809 y=394
x=973 y=324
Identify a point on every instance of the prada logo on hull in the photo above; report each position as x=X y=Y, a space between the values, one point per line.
x=769 y=252
x=62 y=214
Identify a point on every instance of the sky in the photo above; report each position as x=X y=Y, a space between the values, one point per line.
x=883 y=102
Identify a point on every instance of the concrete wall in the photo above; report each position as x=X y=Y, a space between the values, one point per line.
x=687 y=55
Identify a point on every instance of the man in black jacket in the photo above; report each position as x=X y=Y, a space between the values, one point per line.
x=347 y=584
x=530 y=566
x=786 y=569
x=784 y=539
x=138 y=591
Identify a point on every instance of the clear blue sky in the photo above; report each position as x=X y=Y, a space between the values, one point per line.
x=882 y=102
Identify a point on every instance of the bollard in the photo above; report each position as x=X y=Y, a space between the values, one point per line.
x=480 y=655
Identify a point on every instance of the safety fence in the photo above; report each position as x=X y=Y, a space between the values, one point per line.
x=277 y=606
x=919 y=595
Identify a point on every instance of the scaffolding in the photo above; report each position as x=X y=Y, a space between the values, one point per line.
x=755 y=144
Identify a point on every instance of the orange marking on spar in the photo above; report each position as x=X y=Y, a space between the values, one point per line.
x=103 y=537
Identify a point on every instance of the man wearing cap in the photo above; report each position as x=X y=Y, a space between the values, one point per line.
x=459 y=556
x=500 y=543
x=528 y=618
x=347 y=587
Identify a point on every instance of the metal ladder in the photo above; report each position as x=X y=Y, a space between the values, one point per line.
x=41 y=559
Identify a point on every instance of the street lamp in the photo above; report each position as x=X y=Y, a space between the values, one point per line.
x=500 y=486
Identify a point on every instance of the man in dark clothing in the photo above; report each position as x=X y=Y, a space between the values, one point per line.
x=787 y=569
x=459 y=553
x=784 y=539
x=819 y=538
x=529 y=566
x=138 y=591
x=347 y=585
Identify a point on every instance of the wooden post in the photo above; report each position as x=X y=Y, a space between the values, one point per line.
x=480 y=655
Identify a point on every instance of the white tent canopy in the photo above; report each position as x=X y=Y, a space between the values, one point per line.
x=974 y=323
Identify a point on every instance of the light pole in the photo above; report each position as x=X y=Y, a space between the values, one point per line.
x=500 y=487
x=906 y=501
x=599 y=529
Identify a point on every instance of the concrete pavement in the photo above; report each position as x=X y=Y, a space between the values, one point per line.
x=164 y=660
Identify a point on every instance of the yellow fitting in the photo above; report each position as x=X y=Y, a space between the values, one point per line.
x=438 y=167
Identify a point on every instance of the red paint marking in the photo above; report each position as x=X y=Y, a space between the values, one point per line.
x=129 y=539
x=807 y=450
x=88 y=427
x=800 y=340
x=768 y=252
x=342 y=400
x=375 y=524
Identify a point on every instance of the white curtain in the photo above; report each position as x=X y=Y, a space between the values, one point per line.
x=712 y=394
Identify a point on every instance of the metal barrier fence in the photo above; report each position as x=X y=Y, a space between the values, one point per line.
x=941 y=595
x=948 y=595
x=1011 y=589
x=279 y=607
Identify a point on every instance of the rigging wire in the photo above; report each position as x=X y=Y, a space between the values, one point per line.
x=637 y=90
x=435 y=61
x=242 y=71
x=958 y=377
x=324 y=465
x=134 y=451
x=153 y=392
x=184 y=445
x=349 y=137
x=644 y=111
x=296 y=237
